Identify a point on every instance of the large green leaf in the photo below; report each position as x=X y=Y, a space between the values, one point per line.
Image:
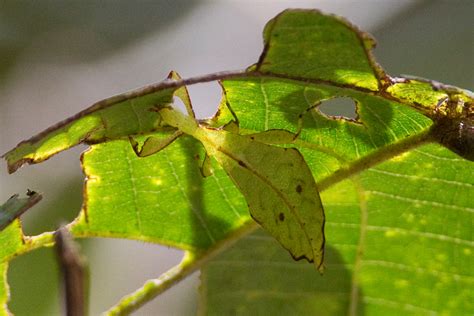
x=272 y=103
x=257 y=277
x=398 y=243
x=383 y=226
x=161 y=198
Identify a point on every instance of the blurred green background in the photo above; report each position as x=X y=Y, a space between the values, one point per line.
x=58 y=57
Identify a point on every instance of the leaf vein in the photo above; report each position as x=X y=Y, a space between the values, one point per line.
x=181 y=189
x=134 y=191
x=225 y=196
x=265 y=100
x=354 y=295
x=424 y=202
x=445 y=238
x=410 y=268
x=395 y=304
x=382 y=122
x=398 y=175
x=439 y=157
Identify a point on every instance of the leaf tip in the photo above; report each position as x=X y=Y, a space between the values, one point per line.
x=15 y=206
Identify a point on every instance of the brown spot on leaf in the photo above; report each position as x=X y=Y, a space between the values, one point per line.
x=242 y=164
x=299 y=188
x=281 y=217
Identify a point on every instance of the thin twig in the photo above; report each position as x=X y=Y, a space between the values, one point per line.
x=73 y=273
x=190 y=263
x=374 y=158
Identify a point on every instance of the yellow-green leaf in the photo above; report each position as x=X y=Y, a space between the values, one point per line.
x=113 y=118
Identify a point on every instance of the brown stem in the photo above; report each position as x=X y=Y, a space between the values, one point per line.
x=73 y=273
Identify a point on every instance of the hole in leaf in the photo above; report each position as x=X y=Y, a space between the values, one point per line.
x=206 y=98
x=178 y=104
x=340 y=108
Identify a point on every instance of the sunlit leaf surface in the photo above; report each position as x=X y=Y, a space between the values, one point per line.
x=109 y=119
x=11 y=241
x=161 y=198
x=313 y=46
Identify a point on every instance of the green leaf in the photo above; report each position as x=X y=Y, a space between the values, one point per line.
x=397 y=240
x=112 y=118
x=11 y=237
x=3 y=289
x=161 y=198
x=314 y=46
x=15 y=206
x=271 y=103
x=257 y=277
x=11 y=241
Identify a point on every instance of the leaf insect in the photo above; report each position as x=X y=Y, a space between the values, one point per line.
x=276 y=181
